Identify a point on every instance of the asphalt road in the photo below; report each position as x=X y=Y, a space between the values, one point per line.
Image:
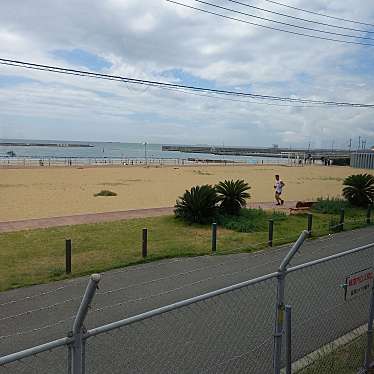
x=231 y=333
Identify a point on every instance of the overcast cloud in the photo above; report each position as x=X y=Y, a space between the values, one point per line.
x=156 y=40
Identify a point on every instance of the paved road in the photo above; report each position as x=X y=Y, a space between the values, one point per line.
x=227 y=334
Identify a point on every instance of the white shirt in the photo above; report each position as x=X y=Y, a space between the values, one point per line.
x=278 y=186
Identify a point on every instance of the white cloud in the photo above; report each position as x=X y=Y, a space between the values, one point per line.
x=144 y=38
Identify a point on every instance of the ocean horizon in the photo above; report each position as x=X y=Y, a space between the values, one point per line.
x=120 y=150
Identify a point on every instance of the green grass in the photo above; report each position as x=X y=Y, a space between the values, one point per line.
x=347 y=359
x=330 y=205
x=250 y=220
x=37 y=256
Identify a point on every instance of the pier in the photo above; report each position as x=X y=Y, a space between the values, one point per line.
x=274 y=152
x=64 y=145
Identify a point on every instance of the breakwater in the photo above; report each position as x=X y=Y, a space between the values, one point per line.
x=64 y=145
x=274 y=152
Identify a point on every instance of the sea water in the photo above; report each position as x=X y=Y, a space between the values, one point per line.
x=108 y=150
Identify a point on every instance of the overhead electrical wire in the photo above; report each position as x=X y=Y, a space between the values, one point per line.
x=300 y=18
x=268 y=27
x=180 y=87
x=320 y=14
x=283 y=23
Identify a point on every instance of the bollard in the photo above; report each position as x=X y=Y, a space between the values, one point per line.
x=271 y=232
x=341 y=220
x=68 y=256
x=368 y=214
x=214 y=237
x=145 y=243
x=310 y=224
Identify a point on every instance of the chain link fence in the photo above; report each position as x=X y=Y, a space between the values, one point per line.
x=326 y=312
x=197 y=338
x=236 y=329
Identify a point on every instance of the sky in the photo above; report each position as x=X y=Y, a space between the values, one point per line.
x=157 y=40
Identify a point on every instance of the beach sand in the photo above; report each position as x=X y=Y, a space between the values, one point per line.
x=51 y=192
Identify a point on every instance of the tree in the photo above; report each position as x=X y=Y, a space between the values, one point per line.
x=198 y=205
x=359 y=189
x=232 y=195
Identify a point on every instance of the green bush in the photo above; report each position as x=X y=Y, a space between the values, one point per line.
x=232 y=195
x=198 y=205
x=331 y=205
x=359 y=190
x=249 y=220
x=105 y=193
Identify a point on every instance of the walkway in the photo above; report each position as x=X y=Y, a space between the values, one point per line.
x=79 y=219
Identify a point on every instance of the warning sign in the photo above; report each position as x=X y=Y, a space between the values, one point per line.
x=359 y=283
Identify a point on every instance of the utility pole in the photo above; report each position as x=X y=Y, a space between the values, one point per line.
x=359 y=142
x=350 y=145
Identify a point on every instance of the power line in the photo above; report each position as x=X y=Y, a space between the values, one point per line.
x=269 y=27
x=320 y=14
x=300 y=18
x=180 y=87
x=284 y=23
x=216 y=97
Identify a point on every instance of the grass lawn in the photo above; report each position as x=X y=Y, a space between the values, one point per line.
x=37 y=256
x=347 y=359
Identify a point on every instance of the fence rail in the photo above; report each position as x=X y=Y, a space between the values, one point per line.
x=46 y=161
x=236 y=329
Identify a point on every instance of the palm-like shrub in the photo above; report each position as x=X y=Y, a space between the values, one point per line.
x=232 y=195
x=198 y=205
x=359 y=190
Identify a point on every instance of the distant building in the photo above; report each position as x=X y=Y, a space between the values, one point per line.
x=363 y=160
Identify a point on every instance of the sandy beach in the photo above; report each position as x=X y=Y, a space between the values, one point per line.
x=51 y=192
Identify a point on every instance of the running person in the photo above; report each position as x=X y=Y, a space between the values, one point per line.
x=278 y=186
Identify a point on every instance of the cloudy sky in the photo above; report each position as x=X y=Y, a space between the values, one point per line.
x=157 y=40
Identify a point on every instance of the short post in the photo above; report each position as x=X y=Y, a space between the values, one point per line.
x=214 y=237
x=271 y=232
x=341 y=220
x=78 y=356
x=68 y=256
x=145 y=243
x=368 y=214
x=310 y=224
x=288 y=311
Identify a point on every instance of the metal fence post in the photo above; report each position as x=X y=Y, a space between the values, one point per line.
x=280 y=307
x=288 y=310
x=369 y=348
x=145 y=243
x=310 y=224
x=271 y=232
x=214 y=237
x=368 y=214
x=68 y=256
x=78 y=353
x=341 y=220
